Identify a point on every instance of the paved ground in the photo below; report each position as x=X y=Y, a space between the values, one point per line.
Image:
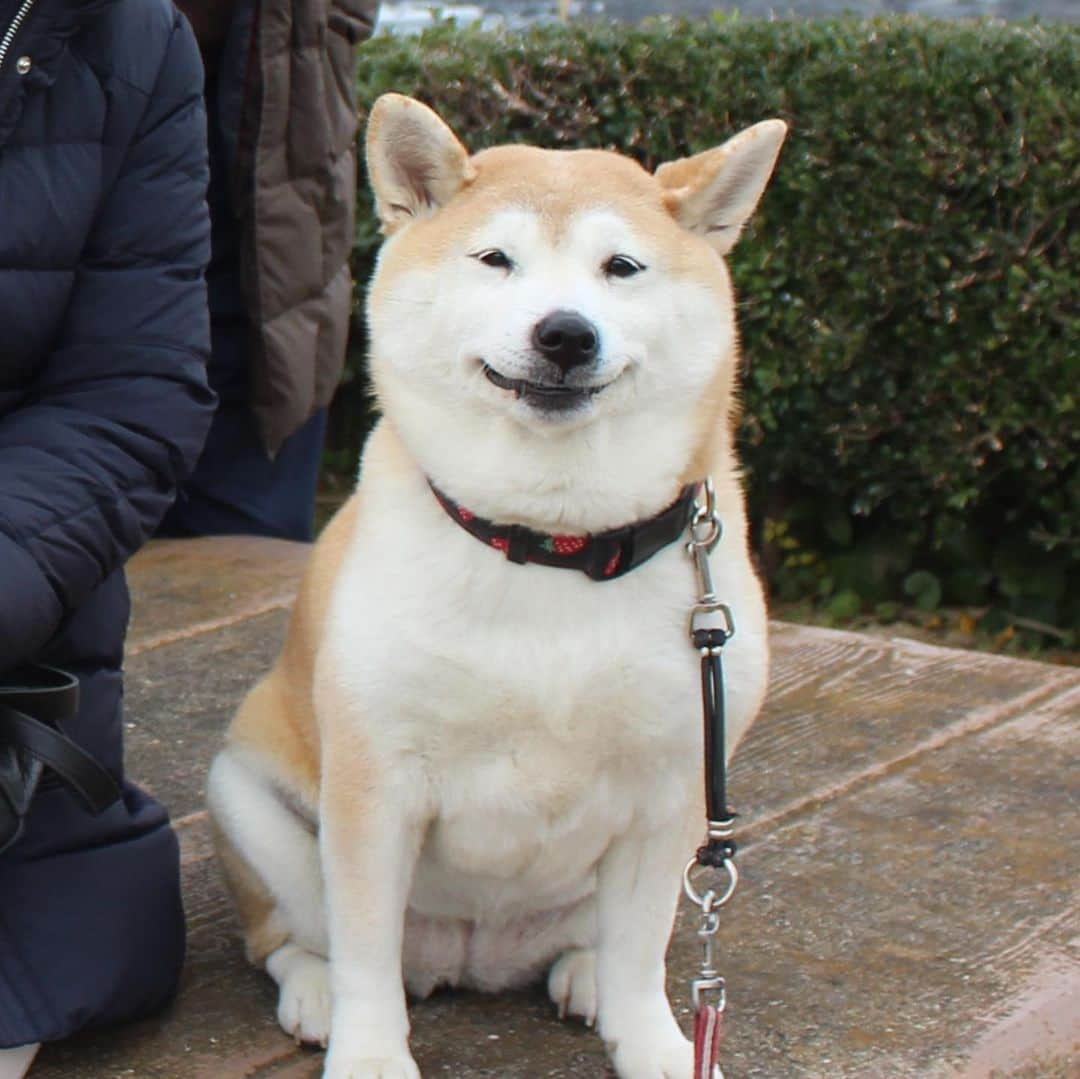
x=911 y=864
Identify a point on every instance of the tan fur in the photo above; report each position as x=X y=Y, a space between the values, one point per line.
x=277 y=721
x=714 y=453
x=568 y=181
x=263 y=934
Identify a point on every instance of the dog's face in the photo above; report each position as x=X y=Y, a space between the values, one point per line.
x=554 y=306
x=554 y=296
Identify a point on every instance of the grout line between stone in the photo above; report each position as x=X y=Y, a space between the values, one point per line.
x=189 y=820
x=245 y=1066
x=199 y=629
x=915 y=647
x=983 y=719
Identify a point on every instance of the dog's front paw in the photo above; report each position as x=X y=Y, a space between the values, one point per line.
x=399 y=1066
x=636 y=1057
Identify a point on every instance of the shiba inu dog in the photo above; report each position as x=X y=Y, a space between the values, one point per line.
x=477 y=761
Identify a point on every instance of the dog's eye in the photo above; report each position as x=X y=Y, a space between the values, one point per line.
x=493 y=257
x=622 y=266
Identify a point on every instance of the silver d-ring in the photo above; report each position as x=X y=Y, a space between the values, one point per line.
x=723 y=897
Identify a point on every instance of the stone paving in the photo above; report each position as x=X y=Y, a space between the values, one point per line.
x=911 y=862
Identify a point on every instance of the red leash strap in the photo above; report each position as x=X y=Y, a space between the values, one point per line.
x=708 y=1034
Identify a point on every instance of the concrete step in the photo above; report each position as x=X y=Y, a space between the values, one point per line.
x=910 y=859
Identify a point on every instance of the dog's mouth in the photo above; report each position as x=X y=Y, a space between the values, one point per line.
x=553 y=396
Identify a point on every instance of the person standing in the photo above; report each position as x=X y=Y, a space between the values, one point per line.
x=281 y=104
x=104 y=406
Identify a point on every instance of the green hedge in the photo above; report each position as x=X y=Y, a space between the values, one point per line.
x=909 y=293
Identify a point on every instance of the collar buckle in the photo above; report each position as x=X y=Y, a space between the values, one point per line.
x=518 y=539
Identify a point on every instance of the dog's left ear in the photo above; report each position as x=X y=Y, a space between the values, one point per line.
x=415 y=163
x=715 y=192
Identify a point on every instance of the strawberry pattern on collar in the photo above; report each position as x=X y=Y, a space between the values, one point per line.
x=601 y=556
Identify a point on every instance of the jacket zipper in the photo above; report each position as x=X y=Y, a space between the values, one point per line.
x=13 y=29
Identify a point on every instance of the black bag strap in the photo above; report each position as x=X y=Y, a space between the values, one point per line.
x=31 y=700
x=51 y=694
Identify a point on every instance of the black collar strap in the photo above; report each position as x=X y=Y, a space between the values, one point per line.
x=603 y=556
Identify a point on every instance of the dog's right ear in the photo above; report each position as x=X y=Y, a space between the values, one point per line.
x=415 y=163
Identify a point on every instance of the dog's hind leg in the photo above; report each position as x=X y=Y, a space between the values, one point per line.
x=270 y=858
x=304 y=1002
x=571 y=980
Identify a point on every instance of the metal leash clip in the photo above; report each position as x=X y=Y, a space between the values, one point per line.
x=709 y=980
x=708 y=1013
x=705 y=532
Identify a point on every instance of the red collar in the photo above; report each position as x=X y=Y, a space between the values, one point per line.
x=602 y=556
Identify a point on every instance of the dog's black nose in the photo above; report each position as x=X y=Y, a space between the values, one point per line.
x=567 y=339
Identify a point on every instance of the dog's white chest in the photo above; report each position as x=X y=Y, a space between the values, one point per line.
x=546 y=709
x=529 y=801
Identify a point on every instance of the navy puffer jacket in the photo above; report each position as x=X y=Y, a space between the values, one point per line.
x=104 y=405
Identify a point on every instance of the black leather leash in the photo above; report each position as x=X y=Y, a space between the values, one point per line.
x=719 y=846
x=34 y=701
x=711 y=627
